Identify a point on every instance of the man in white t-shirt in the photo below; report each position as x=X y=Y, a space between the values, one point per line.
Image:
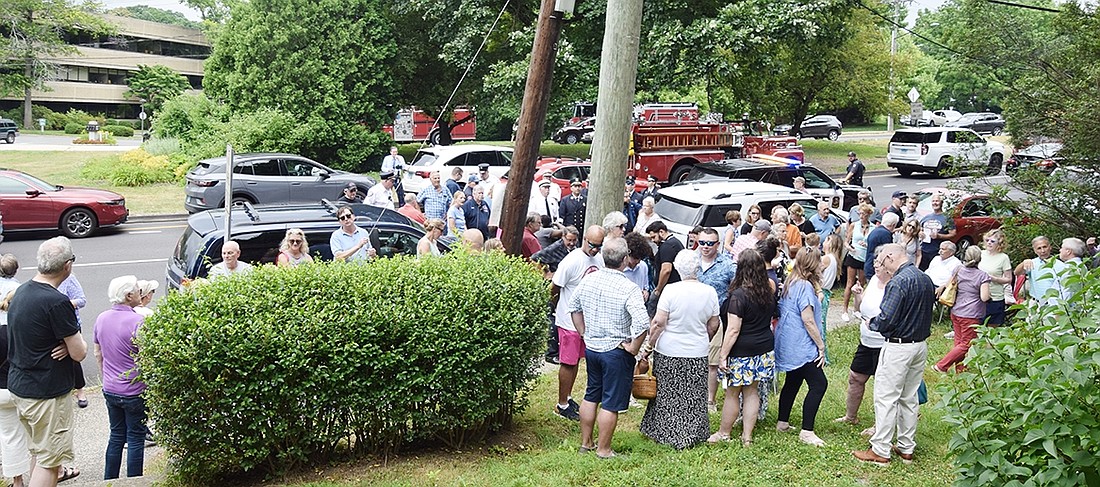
x=583 y=260
x=229 y=265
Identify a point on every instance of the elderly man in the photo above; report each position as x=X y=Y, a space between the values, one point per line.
x=1070 y=263
x=350 y=194
x=476 y=211
x=607 y=310
x=905 y=323
x=552 y=255
x=579 y=263
x=935 y=228
x=473 y=238
x=230 y=264
x=1039 y=271
x=717 y=271
x=434 y=199
x=44 y=345
x=760 y=230
x=350 y=242
x=530 y=243
x=824 y=222
x=382 y=194
x=412 y=210
x=880 y=235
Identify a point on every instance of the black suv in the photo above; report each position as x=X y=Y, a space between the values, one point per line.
x=819 y=184
x=816 y=127
x=8 y=130
x=259 y=230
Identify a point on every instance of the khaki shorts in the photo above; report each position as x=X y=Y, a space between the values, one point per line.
x=49 y=423
x=715 y=348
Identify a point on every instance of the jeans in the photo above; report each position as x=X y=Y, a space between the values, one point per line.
x=127 y=416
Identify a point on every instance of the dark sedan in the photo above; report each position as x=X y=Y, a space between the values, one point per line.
x=981 y=122
x=29 y=203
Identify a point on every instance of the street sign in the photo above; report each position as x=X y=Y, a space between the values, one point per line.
x=914 y=95
x=916 y=113
x=142 y=115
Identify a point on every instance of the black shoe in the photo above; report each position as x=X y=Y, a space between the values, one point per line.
x=553 y=360
x=568 y=412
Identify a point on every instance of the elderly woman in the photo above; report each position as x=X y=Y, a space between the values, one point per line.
x=943 y=265
x=679 y=340
x=294 y=249
x=115 y=349
x=646 y=215
x=996 y=263
x=429 y=243
x=747 y=354
x=146 y=289
x=72 y=289
x=615 y=224
x=973 y=292
x=865 y=361
x=799 y=349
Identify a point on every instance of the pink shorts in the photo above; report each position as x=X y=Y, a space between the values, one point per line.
x=570 y=346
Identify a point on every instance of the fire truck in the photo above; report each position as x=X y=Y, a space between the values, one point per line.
x=667 y=139
x=413 y=125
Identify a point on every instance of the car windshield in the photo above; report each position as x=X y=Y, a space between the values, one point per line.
x=699 y=173
x=968 y=117
x=424 y=159
x=916 y=137
x=674 y=210
x=40 y=184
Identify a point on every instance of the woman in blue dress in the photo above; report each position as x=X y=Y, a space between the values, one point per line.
x=799 y=349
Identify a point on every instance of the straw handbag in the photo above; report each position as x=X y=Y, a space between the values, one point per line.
x=645 y=385
x=950 y=290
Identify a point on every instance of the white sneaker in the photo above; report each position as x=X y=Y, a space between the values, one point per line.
x=949 y=335
x=844 y=317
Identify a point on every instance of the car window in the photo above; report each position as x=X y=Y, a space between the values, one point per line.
x=505 y=158
x=916 y=137
x=423 y=159
x=976 y=207
x=816 y=179
x=715 y=215
x=269 y=167
x=783 y=178
x=968 y=138
x=569 y=173
x=12 y=186
x=461 y=160
x=396 y=242
x=297 y=167
x=675 y=210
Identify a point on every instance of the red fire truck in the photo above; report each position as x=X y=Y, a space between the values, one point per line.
x=667 y=139
x=413 y=125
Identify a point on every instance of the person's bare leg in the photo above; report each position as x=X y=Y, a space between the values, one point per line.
x=567 y=376
x=44 y=476
x=848 y=287
x=751 y=393
x=712 y=384
x=588 y=421
x=857 y=386
x=607 y=421
x=731 y=407
x=858 y=299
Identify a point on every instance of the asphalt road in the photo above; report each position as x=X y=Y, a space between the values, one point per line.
x=30 y=141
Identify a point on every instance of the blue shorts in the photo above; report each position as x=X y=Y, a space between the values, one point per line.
x=610 y=378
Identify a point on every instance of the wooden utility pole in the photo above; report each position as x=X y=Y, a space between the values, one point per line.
x=611 y=142
x=532 y=121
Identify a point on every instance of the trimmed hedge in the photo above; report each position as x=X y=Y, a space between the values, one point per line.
x=119 y=130
x=74 y=128
x=264 y=372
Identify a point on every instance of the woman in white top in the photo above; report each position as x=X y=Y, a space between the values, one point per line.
x=909 y=236
x=943 y=265
x=679 y=339
x=145 y=289
x=294 y=250
x=857 y=255
x=429 y=243
x=646 y=215
x=865 y=361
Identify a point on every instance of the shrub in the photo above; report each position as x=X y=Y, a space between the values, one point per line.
x=74 y=128
x=132 y=168
x=1028 y=410
x=266 y=371
x=161 y=146
x=119 y=130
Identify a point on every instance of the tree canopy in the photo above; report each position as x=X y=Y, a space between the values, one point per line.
x=153 y=14
x=156 y=85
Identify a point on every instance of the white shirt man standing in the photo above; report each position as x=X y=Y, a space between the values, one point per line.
x=393 y=162
x=583 y=260
x=382 y=194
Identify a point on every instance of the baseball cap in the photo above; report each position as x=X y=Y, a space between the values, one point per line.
x=762 y=226
x=351 y=185
x=900 y=194
x=473 y=178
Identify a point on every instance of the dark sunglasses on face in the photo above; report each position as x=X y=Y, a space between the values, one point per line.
x=594 y=246
x=708 y=243
x=294 y=241
x=347 y=217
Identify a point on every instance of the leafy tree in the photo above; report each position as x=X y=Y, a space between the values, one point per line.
x=33 y=32
x=156 y=84
x=153 y=14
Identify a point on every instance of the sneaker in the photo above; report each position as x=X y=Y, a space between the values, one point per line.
x=906 y=458
x=809 y=438
x=949 y=335
x=568 y=412
x=844 y=317
x=869 y=456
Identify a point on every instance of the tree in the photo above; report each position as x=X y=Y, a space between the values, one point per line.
x=153 y=14
x=156 y=85
x=33 y=32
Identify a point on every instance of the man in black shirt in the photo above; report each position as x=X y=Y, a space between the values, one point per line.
x=667 y=248
x=855 y=170
x=44 y=341
x=905 y=322
x=350 y=194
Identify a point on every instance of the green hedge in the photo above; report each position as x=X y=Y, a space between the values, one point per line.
x=74 y=128
x=261 y=373
x=1027 y=412
x=119 y=130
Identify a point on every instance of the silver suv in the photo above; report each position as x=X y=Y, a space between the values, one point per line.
x=8 y=130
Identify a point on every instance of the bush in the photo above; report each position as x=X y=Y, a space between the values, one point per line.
x=132 y=168
x=161 y=146
x=1028 y=410
x=119 y=130
x=266 y=371
x=74 y=128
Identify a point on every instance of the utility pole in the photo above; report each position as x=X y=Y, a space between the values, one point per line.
x=893 y=52
x=532 y=121
x=611 y=142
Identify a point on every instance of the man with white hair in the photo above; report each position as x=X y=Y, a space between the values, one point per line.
x=230 y=264
x=824 y=222
x=44 y=342
x=881 y=235
x=1069 y=264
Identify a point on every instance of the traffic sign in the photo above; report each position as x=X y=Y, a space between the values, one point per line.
x=914 y=95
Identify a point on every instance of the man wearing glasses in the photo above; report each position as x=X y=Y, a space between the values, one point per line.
x=717 y=271
x=579 y=263
x=349 y=242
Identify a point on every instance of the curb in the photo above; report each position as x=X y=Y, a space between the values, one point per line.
x=157 y=218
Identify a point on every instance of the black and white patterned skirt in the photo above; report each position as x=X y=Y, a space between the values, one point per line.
x=678 y=417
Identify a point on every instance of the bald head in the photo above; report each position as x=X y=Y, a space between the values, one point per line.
x=892 y=255
x=593 y=239
x=473 y=237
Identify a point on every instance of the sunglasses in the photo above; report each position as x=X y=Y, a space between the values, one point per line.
x=594 y=246
x=708 y=243
x=992 y=240
x=294 y=241
x=347 y=217
x=72 y=259
x=754 y=212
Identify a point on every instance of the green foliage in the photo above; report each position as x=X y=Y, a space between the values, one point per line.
x=270 y=370
x=132 y=168
x=1028 y=410
x=153 y=14
x=156 y=84
x=188 y=117
x=119 y=130
x=74 y=128
x=159 y=146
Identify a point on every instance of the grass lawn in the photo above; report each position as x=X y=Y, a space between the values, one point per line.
x=541 y=449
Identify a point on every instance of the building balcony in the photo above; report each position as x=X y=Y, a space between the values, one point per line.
x=128 y=61
x=73 y=92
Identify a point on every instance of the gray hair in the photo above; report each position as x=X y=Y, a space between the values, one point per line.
x=9 y=265
x=951 y=245
x=614 y=252
x=687 y=264
x=1040 y=238
x=649 y=201
x=890 y=219
x=53 y=254
x=120 y=287
x=614 y=219
x=571 y=230
x=1075 y=245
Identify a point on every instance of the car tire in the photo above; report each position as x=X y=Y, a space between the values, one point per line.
x=994 y=167
x=10 y=138
x=572 y=138
x=679 y=173
x=833 y=135
x=78 y=223
x=943 y=167
x=964 y=243
x=905 y=172
x=997 y=131
x=433 y=137
x=240 y=200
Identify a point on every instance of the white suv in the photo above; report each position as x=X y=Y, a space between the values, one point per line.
x=444 y=158
x=705 y=203
x=942 y=150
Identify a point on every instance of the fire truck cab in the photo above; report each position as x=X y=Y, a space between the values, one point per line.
x=413 y=125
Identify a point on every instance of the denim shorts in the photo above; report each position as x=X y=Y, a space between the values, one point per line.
x=610 y=378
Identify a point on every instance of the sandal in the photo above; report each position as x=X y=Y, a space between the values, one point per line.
x=585 y=449
x=68 y=473
x=718 y=438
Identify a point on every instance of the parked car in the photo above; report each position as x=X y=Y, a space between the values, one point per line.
x=974 y=214
x=445 y=158
x=259 y=230
x=942 y=150
x=8 y=130
x=266 y=179
x=685 y=205
x=941 y=117
x=563 y=170
x=29 y=203
x=815 y=127
x=926 y=120
x=781 y=172
x=1042 y=157
x=981 y=122
x=574 y=132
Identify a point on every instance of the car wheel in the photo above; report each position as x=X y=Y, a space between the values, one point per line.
x=572 y=138
x=10 y=138
x=433 y=138
x=964 y=243
x=241 y=200
x=997 y=131
x=78 y=223
x=994 y=167
x=943 y=167
x=905 y=172
x=833 y=135
x=680 y=173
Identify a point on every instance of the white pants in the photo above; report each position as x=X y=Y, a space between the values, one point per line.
x=16 y=455
x=900 y=370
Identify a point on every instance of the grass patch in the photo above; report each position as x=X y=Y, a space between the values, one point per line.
x=541 y=449
x=832 y=157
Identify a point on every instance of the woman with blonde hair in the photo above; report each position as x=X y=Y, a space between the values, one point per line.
x=857 y=256
x=429 y=243
x=294 y=249
x=909 y=236
x=996 y=263
x=456 y=218
x=799 y=348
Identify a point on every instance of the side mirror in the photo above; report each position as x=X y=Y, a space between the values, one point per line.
x=324 y=175
x=33 y=193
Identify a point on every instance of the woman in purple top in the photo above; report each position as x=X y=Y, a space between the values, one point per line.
x=71 y=288
x=115 y=331
x=969 y=310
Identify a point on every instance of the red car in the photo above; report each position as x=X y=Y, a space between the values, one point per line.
x=974 y=214
x=563 y=170
x=29 y=203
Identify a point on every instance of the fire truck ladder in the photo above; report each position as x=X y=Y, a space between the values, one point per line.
x=684 y=140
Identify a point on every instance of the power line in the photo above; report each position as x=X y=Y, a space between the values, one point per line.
x=1020 y=5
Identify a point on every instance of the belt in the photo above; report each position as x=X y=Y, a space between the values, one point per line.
x=902 y=340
